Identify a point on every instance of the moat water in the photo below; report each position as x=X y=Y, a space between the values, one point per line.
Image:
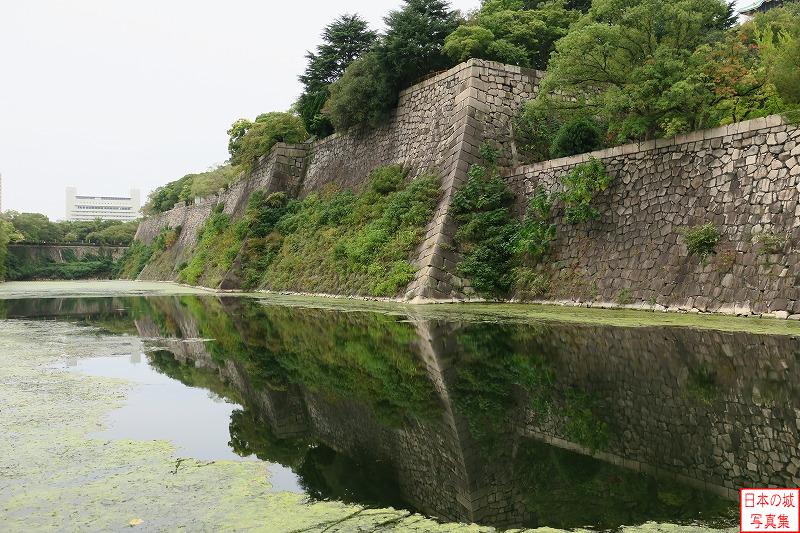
x=501 y=423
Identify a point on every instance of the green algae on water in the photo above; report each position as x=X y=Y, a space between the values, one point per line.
x=54 y=477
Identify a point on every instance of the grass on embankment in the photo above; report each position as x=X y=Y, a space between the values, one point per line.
x=345 y=242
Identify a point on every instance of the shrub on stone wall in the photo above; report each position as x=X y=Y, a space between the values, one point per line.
x=769 y=242
x=500 y=253
x=537 y=232
x=487 y=233
x=251 y=140
x=218 y=245
x=351 y=242
x=578 y=136
x=138 y=254
x=702 y=240
x=581 y=186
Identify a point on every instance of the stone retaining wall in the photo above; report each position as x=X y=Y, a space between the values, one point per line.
x=61 y=253
x=438 y=126
x=428 y=120
x=280 y=170
x=743 y=178
x=716 y=410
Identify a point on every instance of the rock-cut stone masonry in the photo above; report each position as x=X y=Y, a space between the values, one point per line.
x=743 y=178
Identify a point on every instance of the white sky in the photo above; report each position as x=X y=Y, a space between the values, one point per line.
x=108 y=95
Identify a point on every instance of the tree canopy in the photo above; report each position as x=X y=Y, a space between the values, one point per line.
x=512 y=31
x=251 y=140
x=343 y=41
x=37 y=228
x=410 y=49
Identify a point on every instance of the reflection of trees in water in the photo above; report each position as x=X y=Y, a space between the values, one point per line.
x=503 y=374
x=363 y=356
x=110 y=315
x=324 y=474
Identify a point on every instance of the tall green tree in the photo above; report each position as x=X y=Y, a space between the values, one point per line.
x=5 y=236
x=343 y=41
x=776 y=35
x=415 y=34
x=35 y=227
x=410 y=49
x=364 y=95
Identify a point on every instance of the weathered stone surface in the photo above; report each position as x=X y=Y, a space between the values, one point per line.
x=661 y=190
x=280 y=170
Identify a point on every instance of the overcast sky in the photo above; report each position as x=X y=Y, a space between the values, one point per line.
x=109 y=95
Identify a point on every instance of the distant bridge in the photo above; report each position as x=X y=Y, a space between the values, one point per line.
x=28 y=251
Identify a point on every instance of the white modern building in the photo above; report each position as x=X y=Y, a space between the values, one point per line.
x=91 y=207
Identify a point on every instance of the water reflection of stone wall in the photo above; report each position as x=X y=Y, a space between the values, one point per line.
x=719 y=408
x=425 y=451
x=714 y=410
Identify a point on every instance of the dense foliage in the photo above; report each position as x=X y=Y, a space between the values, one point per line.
x=37 y=228
x=250 y=140
x=89 y=266
x=581 y=185
x=5 y=236
x=191 y=186
x=487 y=230
x=345 y=242
x=518 y=32
x=343 y=41
x=636 y=70
x=138 y=254
x=217 y=246
x=353 y=242
x=499 y=252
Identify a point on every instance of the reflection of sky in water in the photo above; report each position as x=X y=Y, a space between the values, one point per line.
x=160 y=408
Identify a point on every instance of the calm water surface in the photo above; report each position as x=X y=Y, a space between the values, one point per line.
x=498 y=423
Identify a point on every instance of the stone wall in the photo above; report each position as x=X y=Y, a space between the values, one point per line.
x=743 y=178
x=438 y=126
x=715 y=410
x=60 y=253
x=280 y=170
x=428 y=120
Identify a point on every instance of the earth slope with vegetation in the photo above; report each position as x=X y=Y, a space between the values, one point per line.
x=352 y=242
